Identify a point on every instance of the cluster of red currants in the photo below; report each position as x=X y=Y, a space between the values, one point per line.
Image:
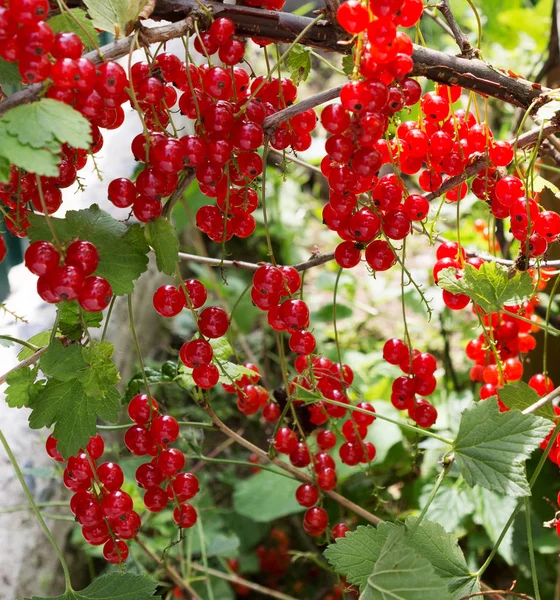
x=419 y=368
x=100 y=506
x=252 y=397
x=151 y=435
x=71 y=280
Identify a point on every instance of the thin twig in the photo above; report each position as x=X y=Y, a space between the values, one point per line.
x=542 y=402
x=493 y=592
x=24 y=363
x=462 y=40
x=358 y=510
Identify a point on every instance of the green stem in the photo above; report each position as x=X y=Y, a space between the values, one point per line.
x=325 y=61
x=437 y=485
x=547 y=322
x=10 y=338
x=242 y=463
x=36 y=510
x=108 y=317
x=204 y=556
x=22 y=507
x=531 y=549
x=389 y=420
x=137 y=346
x=263 y=202
x=194 y=424
x=336 y=341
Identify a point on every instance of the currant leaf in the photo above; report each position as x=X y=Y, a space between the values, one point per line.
x=521 y=395
x=115 y=586
x=299 y=63
x=102 y=374
x=22 y=387
x=491 y=447
x=48 y=124
x=9 y=74
x=71 y=319
x=348 y=64
x=64 y=362
x=400 y=573
x=451 y=506
x=122 y=250
x=441 y=549
x=114 y=16
x=354 y=556
x=40 y=339
x=4 y=170
x=490 y=287
x=162 y=237
x=36 y=160
x=76 y=22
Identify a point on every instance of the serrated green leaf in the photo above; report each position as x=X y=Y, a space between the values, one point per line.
x=452 y=504
x=520 y=396
x=305 y=395
x=67 y=406
x=222 y=348
x=78 y=23
x=162 y=237
x=114 y=586
x=442 y=550
x=102 y=374
x=400 y=573
x=298 y=63
x=122 y=250
x=491 y=447
x=354 y=556
x=39 y=340
x=64 y=362
x=114 y=16
x=490 y=287
x=21 y=387
x=9 y=74
x=34 y=160
x=348 y=64
x=48 y=124
x=70 y=317
x=263 y=498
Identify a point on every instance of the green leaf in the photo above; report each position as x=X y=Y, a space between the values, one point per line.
x=21 y=387
x=67 y=406
x=400 y=573
x=540 y=183
x=70 y=321
x=102 y=374
x=48 y=124
x=112 y=587
x=222 y=348
x=114 y=16
x=354 y=556
x=490 y=287
x=9 y=73
x=265 y=497
x=122 y=250
x=39 y=340
x=298 y=63
x=162 y=237
x=348 y=64
x=520 y=396
x=452 y=504
x=64 y=362
x=34 y=160
x=78 y=23
x=325 y=313
x=442 y=550
x=491 y=447
x=4 y=169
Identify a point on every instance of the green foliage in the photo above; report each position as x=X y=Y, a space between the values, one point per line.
x=4 y=170
x=298 y=63
x=266 y=496
x=490 y=287
x=31 y=135
x=520 y=396
x=9 y=74
x=21 y=387
x=491 y=447
x=114 y=586
x=114 y=16
x=122 y=250
x=78 y=23
x=162 y=237
x=452 y=505
x=80 y=389
x=39 y=340
x=71 y=320
x=400 y=573
x=348 y=64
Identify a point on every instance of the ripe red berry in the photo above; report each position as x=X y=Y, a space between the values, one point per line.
x=168 y=301
x=285 y=441
x=141 y=410
x=185 y=515
x=41 y=257
x=164 y=429
x=213 y=322
x=115 y=551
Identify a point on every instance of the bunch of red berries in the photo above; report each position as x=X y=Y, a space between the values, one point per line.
x=103 y=510
x=252 y=397
x=151 y=435
x=72 y=280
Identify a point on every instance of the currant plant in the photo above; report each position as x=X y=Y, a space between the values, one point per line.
x=408 y=153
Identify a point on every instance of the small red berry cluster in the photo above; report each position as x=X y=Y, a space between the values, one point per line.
x=100 y=506
x=151 y=435
x=419 y=379
x=71 y=280
x=252 y=397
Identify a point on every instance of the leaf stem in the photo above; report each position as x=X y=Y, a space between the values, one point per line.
x=10 y=338
x=531 y=549
x=137 y=346
x=34 y=507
